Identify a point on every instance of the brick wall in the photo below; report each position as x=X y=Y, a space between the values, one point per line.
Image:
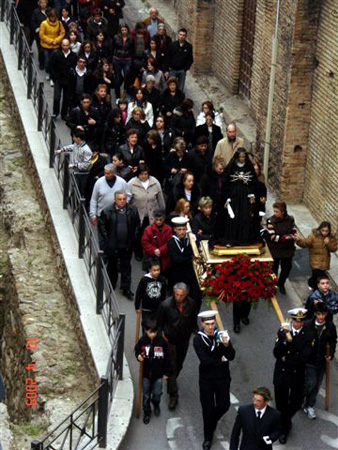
x=296 y=137
x=198 y=17
x=265 y=24
x=227 y=42
x=320 y=193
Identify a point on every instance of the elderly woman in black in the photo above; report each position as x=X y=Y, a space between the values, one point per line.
x=172 y=98
x=132 y=152
x=138 y=122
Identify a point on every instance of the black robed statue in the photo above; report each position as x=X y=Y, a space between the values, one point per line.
x=236 y=224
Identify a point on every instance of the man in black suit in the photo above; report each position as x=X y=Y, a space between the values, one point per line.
x=259 y=423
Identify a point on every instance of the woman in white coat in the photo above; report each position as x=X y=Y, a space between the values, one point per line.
x=147 y=196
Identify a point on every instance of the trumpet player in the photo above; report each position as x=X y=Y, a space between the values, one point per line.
x=214 y=350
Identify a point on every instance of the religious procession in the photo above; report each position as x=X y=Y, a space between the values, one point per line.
x=181 y=199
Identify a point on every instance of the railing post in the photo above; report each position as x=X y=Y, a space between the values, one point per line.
x=120 y=347
x=40 y=105
x=103 y=412
x=2 y=13
x=11 y=24
x=36 y=445
x=82 y=227
x=20 y=49
x=52 y=141
x=65 y=181
x=99 y=282
x=30 y=74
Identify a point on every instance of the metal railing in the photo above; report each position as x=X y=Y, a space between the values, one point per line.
x=71 y=434
x=86 y=426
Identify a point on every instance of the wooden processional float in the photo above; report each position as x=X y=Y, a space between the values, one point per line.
x=203 y=260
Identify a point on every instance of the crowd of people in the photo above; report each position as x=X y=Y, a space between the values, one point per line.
x=153 y=176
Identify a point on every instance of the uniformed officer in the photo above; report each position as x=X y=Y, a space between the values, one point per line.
x=181 y=259
x=291 y=358
x=214 y=351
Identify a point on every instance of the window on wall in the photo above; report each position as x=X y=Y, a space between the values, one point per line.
x=247 y=48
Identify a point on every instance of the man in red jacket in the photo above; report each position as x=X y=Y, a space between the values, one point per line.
x=155 y=240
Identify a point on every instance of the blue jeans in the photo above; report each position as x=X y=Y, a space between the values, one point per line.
x=180 y=75
x=121 y=68
x=152 y=391
x=48 y=53
x=313 y=379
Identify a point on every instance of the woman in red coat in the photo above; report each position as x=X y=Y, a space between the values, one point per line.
x=155 y=240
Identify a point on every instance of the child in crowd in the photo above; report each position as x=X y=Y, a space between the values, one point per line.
x=152 y=350
x=151 y=291
x=321 y=243
x=323 y=294
x=123 y=105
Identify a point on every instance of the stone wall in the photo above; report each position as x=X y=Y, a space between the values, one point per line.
x=320 y=192
x=39 y=301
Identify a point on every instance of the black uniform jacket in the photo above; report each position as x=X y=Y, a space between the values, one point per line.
x=180 y=253
x=254 y=429
x=213 y=355
x=291 y=357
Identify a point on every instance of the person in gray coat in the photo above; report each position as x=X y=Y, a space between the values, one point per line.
x=147 y=196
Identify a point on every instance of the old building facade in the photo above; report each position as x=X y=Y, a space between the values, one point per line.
x=233 y=40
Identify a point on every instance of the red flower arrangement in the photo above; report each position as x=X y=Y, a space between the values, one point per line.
x=238 y=280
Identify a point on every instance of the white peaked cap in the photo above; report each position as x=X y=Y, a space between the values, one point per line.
x=180 y=220
x=207 y=315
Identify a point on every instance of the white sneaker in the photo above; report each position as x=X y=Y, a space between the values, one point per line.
x=47 y=77
x=311 y=413
x=51 y=83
